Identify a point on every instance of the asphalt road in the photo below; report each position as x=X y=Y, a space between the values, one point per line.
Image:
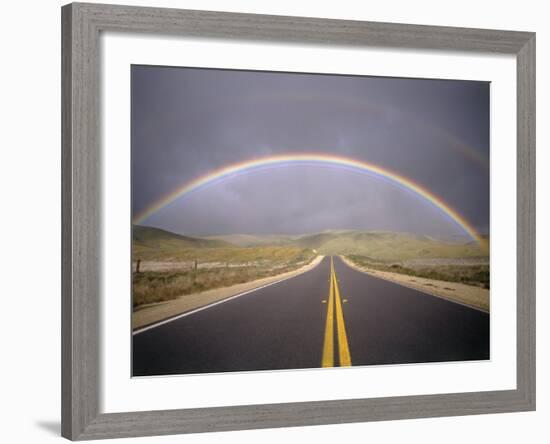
x=330 y=316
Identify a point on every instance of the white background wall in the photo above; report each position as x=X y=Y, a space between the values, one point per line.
x=30 y=220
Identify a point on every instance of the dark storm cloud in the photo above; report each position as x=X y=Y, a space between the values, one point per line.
x=187 y=122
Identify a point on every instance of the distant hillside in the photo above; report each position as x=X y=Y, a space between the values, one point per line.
x=154 y=244
x=387 y=245
x=254 y=240
x=376 y=245
x=157 y=238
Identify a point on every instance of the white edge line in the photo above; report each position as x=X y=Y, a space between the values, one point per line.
x=204 y=307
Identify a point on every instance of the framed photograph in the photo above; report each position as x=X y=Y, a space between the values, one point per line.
x=278 y=221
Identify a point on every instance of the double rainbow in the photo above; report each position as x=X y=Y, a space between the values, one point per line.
x=310 y=159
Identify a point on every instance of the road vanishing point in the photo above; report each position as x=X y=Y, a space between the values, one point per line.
x=329 y=316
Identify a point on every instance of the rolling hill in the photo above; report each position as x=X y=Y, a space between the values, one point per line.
x=254 y=240
x=154 y=244
x=378 y=245
x=152 y=237
x=387 y=246
x=374 y=245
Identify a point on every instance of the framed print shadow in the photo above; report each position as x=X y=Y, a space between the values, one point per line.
x=288 y=219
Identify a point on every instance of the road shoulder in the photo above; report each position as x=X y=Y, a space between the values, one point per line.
x=468 y=295
x=153 y=313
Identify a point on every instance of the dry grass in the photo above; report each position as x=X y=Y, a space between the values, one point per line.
x=477 y=275
x=157 y=286
x=476 y=296
x=172 y=265
x=229 y=255
x=389 y=246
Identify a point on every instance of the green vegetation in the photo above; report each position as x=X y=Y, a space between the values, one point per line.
x=477 y=275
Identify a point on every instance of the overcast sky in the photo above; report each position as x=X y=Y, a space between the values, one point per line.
x=187 y=122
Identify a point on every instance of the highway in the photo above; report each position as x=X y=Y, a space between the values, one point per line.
x=329 y=316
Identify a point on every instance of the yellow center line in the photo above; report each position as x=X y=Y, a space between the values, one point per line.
x=334 y=299
x=343 y=346
x=328 y=347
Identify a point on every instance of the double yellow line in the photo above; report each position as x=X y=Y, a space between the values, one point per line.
x=334 y=300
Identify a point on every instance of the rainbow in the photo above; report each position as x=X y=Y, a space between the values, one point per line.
x=310 y=159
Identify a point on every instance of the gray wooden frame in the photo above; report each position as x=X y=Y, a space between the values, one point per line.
x=81 y=167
